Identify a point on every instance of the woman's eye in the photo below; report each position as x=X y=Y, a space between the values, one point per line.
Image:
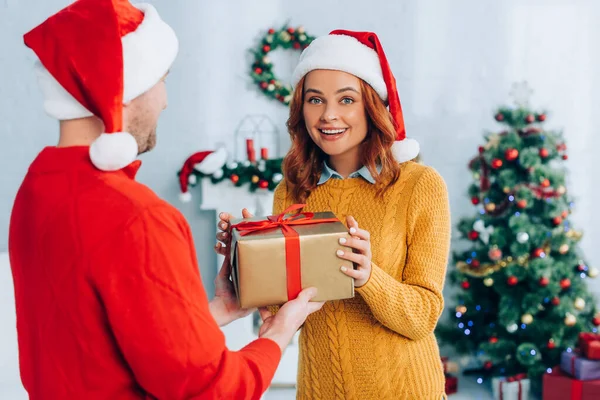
x=314 y=100
x=347 y=100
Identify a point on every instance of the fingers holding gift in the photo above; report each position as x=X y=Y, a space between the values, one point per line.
x=361 y=246
x=361 y=260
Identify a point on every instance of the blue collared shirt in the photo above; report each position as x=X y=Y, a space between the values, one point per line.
x=328 y=173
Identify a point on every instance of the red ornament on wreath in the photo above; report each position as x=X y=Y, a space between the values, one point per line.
x=511 y=154
x=545 y=183
x=544 y=152
x=473 y=235
x=465 y=285
x=541 y=117
x=475 y=200
x=530 y=119
x=496 y=163
x=512 y=280
x=263 y=184
x=565 y=283
x=235 y=178
x=565 y=157
x=499 y=117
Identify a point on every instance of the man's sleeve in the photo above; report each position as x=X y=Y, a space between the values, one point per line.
x=149 y=283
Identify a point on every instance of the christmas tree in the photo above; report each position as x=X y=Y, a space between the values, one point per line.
x=522 y=296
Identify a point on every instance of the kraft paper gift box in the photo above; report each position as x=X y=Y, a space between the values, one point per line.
x=511 y=388
x=579 y=367
x=274 y=258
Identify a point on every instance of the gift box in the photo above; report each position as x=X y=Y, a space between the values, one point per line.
x=274 y=258
x=511 y=388
x=451 y=385
x=557 y=385
x=589 y=344
x=579 y=367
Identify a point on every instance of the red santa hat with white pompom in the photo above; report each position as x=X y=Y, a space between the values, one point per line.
x=96 y=55
x=206 y=162
x=360 y=54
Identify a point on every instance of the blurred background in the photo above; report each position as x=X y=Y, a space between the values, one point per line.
x=455 y=63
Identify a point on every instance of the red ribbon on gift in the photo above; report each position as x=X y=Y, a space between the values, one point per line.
x=292 y=240
x=510 y=379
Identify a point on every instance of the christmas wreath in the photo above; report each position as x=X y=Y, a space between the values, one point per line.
x=262 y=67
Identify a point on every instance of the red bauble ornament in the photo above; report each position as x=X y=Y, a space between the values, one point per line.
x=565 y=214
x=473 y=235
x=581 y=267
x=544 y=281
x=475 y=263
x=475 y=200
x=565 y=283
x=234 y=178
x=537 y=252
x=488 y=365
x=499 y=117
x=544 y=152
x=263 y=184
x=258 y=71
x=565 y=157
x=271 y=31
x=530 y=119
x=596 y=321
x=495 y=254
x=481 y=149
x=291 y=30
x=465 y=285
x=551 y=345
x=493 y=339
x=296 y=45
x=522 y=203
x=266 y=48
x=545 y=183
x=512 y=280
x=561 y=147
x=263 y=85
x=555 y=301
x=541 y=117
x=496 y=163
x=511 y=154
x=556 y=221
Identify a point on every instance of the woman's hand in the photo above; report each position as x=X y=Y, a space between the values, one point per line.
x=223 y=237
x=359 y=252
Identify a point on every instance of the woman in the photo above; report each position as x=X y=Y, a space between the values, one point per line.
x=349 y=155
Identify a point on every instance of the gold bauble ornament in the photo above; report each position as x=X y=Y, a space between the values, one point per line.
x=490 y=207
x=570 y=320
x=255 y=179
x=506 y=190
x=561 y=190
x=527 y=319
x=593 y=272
x=579 y=303
x=563 y=249
x=488 y=282
x=461 y=309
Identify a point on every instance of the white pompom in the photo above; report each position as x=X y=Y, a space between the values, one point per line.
x=113 y=151
x=212 y=162
x=192 y=180
x=185 y=197
x=405 y=150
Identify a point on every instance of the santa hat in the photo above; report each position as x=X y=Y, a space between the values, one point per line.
x=96 y=55
x=360 y=54
x=206 y=162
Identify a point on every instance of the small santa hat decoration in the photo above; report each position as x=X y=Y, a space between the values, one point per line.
x=207 y=162
x=96 y=55
x=360 y=54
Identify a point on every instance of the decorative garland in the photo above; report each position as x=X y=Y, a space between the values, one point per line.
x=262 y=67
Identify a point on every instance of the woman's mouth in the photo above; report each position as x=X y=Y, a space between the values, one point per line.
x=333 y=132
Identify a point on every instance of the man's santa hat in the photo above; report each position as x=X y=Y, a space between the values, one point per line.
x=360 y=54
x=206 y=162
x=96 y=55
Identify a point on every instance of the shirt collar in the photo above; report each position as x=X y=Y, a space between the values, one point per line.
x=327 y=173
x=54 y=159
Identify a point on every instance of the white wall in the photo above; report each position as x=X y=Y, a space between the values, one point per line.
x=454 y=62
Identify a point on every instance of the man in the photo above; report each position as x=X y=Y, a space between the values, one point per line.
x=109 y=300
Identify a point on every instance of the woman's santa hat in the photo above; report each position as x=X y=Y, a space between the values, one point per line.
x=360 y=54
x=96 y=55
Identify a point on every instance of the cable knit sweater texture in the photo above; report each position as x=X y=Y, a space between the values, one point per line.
x=380 y=344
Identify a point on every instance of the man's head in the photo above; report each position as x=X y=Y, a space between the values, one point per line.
x=108 y=59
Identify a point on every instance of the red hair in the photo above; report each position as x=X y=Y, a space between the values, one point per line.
x=303 y=163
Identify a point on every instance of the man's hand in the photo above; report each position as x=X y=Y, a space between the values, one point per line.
x=224 y=307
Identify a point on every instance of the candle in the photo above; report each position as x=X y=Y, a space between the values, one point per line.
x=250 y=150
x=264 y=153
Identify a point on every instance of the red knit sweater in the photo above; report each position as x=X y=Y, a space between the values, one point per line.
x=109 y=300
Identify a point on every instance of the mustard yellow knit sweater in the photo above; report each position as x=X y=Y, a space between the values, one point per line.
x=380 y=344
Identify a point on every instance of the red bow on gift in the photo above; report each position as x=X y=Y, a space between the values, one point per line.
x=510 y=379
x=292 y=240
